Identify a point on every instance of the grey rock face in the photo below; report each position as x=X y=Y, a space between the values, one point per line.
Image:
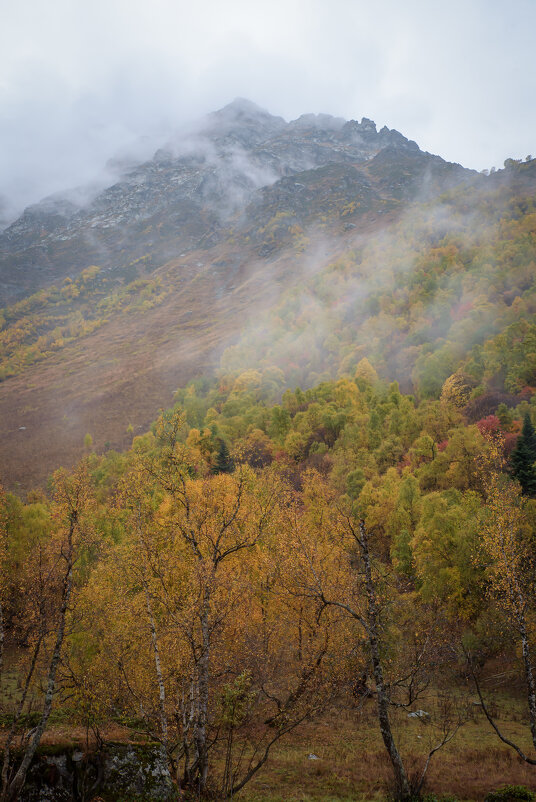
x=122 y=771
x=188 y=192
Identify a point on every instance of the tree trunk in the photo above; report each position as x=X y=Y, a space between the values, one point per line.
x=529 y=675
x=16 y=718
x=12 y=792
x=203 y=667
x=2 y=638
x=517 y=598
x=403 y=789
x=158 y=668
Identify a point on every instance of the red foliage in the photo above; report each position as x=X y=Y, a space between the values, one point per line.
x=509 y=443
x=487 y=404
x=442 y=445
x=489 y=425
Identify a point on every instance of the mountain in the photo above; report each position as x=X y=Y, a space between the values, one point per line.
x=245 y=242
x=212 y=173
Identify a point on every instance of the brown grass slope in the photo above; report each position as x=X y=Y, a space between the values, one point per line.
x=122 y=373
x=125 y=371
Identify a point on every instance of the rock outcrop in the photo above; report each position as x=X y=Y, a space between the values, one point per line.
x=196 y=188
x=120 y=771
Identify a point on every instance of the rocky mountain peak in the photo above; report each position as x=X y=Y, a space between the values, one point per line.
x=324 y=122
x=241 y=121
x=243 y=109
x=237 y=158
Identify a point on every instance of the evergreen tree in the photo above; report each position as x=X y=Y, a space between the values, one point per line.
x=524 y=458
x=224 y=463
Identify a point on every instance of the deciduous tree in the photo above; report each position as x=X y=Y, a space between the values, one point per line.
x=507 y=547
x=52 y=572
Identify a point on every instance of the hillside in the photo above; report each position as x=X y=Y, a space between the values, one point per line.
x=186 y=196
x=249 y=242
x=322 y=548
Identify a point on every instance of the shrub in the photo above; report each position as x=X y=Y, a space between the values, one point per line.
x=510 y=793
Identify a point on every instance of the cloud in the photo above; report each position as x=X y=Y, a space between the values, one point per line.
x=81 y=82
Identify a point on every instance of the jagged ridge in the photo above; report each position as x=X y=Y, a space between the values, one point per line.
x=187 y=196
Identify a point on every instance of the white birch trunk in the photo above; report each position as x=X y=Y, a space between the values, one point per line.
x=382 y=696
x=158 y=668
x=11 y=793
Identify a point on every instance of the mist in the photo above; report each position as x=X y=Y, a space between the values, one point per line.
x=319 y=324
x=85 y=84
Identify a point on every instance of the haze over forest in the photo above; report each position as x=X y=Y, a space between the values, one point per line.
x=267 y=402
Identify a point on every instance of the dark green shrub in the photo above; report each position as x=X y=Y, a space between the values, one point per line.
x=510 y=793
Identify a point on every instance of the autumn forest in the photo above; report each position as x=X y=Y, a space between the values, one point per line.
x=330 y=534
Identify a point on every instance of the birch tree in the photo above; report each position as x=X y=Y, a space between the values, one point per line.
x=192 y=631
x=339 y=570
x=52 y=571
x=508 y=550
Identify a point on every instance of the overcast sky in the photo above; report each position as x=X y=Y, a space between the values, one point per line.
x=83 y=80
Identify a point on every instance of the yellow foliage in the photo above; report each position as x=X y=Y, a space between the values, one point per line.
x=457 y=390
x=365 y=371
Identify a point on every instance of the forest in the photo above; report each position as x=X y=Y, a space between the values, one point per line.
x=215 y=587
x=267 y=559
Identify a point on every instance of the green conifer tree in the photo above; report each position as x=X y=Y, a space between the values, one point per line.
x=224 y=462
x=523 y=458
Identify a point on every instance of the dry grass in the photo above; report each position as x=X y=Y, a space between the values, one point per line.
x=125 y=371
x=122 y=373
x=353 y=764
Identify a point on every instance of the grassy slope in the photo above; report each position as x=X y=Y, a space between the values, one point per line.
x=352 y=763
x=121 y=373
x=128 y=368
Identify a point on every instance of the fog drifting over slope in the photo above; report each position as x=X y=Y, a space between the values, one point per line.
x=82 y=83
